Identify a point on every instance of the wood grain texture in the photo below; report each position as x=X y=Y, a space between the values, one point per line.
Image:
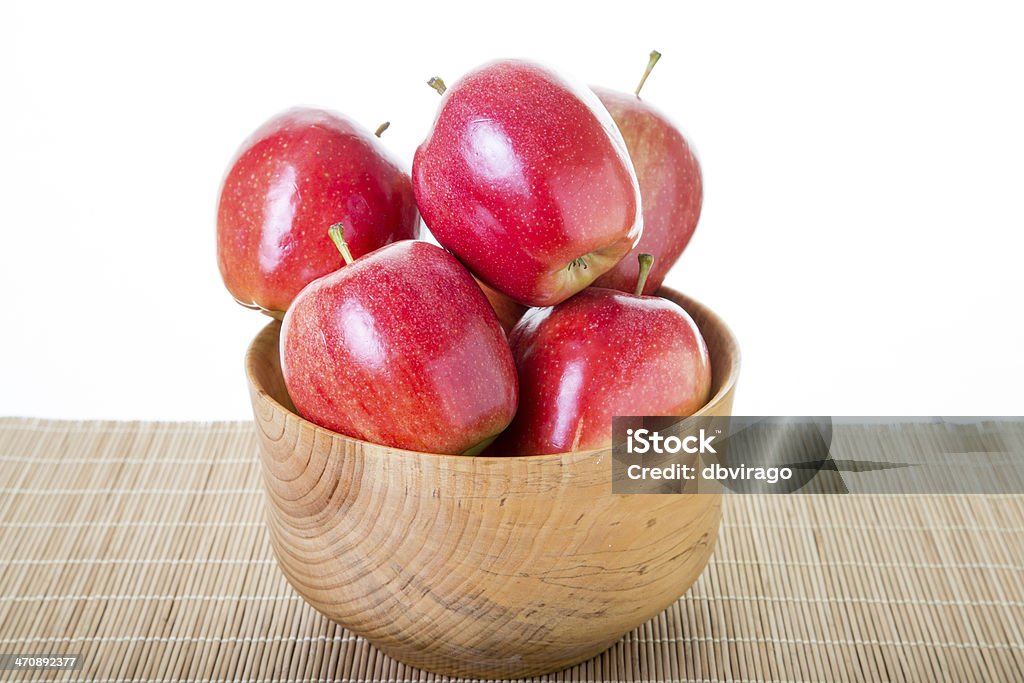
x=494 y=567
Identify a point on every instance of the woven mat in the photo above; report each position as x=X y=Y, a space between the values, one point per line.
x=140 y=546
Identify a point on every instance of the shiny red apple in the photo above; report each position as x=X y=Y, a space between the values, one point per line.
x=670 y=185
x=600 y=354
x=400 y=348
x=526 y=179
x=300 y=173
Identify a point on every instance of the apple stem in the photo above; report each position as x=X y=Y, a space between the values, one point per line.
x=337 y=233
x=646 y=261
x=381 y=128
x=437 y=84
x=578 y=263
x=655 y=56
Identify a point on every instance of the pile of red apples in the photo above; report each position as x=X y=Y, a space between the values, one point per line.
x=559 y=210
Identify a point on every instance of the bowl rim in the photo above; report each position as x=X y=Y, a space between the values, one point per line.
x=728 y=384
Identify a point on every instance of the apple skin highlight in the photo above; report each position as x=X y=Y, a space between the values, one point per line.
x=527 y=180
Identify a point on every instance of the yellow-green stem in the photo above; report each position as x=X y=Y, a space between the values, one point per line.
x=437 y=84
x=646 y=261
x=655 y=56
x=337 y=233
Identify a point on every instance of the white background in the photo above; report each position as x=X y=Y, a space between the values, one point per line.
x=863 y=222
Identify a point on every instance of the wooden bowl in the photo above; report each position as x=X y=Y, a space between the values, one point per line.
x=496 y=567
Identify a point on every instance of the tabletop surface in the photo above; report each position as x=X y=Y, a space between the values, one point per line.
x=141 y=548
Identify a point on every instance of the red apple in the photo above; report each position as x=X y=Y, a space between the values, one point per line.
x=600 y=354
x=300 y=173
x=526 y=179
x=400 y=348
x=670 y=185
x=508 y=311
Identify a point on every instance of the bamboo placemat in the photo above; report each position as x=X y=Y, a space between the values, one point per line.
x=141 y=547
